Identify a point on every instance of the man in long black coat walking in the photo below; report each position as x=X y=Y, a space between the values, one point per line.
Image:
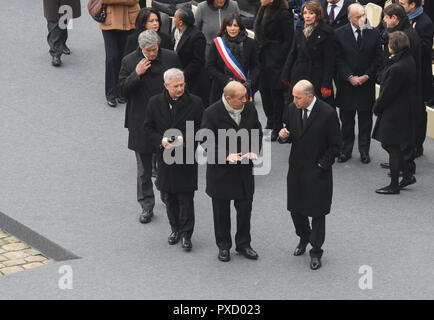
x=312 y=126
x=229 y=174
x=57 y=23
x=140 y=78
x=358 y=56
x=175 y=109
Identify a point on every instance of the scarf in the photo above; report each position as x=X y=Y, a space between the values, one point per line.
x=176 y=104
x=234 y=113
x=177 y=36
x=416 y=13
x=235 y=45
x=307 y=30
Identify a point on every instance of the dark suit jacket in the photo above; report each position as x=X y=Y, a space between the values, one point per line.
x=191 y=53
x=220 y=73
x=396 y=104
x=425 y=29
x=341 y=18
x=352 y=60
x=230 y=181
x=176 y=177
x=313 y=152
x=137 y=90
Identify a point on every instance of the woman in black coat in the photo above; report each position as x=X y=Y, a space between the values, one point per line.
x=274 y=30
x=312 y=55
x=189 y=43
x=394 y=126
x=147 y=18
x=243 y=49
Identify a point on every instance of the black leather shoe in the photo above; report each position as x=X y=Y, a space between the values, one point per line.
x=56 y=62
x=343 y=158
x=388 y=190
x=121 y=100
x=407 y=181
x=385 y=165
x=111 y=103
x=249 y=253
x=418 y=152
x=300 y=249
x=364 y=157
x=315 y=263
x=186 y=244
x=224 y=255
x=66 y=50
x=274 y=135
x=146 y=216
x=173 y=238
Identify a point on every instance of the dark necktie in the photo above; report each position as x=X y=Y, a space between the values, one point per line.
x=304 y=120
x=332 y=12
x=359 y=37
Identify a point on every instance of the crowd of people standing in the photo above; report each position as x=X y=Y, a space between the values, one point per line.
x=208 y=69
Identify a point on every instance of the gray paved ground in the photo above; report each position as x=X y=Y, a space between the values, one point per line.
x=66 y=173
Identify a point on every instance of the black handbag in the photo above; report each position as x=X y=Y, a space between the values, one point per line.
x=97 y=10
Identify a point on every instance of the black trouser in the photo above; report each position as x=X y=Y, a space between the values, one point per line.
x=421 y=125
x=56 y=38
x=365 y=128
x=180 y=212
x=114 y=42
x=222 y=223
x=272 y=102
x=397 y=163
x=145 y=187
x=315 y=235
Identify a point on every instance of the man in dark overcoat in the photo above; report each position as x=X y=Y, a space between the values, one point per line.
x=423 y=25
x=357 y=62
x=312 y=126
x=336 y=12
x=176 y=180
x=57 y=23
x=229 y=174
x=140 y=78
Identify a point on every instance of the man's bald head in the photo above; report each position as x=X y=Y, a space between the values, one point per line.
x=235 y=94
x=303 y=93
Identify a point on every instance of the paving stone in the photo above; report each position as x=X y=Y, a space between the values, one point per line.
x=2 y=251
x=3 y=258
x=2 y=242
x=47 y=261
x=10 y=270
x=2 y=265
x=31 y=252
x=11 y=239
x=10 y=263
x=15 y=246
x=32 y=265
x=3 y=234
x=35 y=258
x=15 y=255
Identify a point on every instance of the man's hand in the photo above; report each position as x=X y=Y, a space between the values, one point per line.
x=363 y=79
x=355 y=81
x=234 y=157
x=167 y=145
x=284 y=134
x=250 y=156
x=142 y=66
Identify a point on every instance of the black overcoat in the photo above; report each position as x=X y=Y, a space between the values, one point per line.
x=220 y=73
x=51 y=8
x=312 y=59
x=279 y=32
x=355 y=61
x=138 y=90
x=341 y=18
x=176 y=177
x=191 y=53
x=396 y=104
x=231 y=181
x=309 y=186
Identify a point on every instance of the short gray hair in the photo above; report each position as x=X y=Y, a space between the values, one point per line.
x=172 y=73
x=148 y=38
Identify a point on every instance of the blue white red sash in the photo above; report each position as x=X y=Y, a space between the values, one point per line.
x=229 y=59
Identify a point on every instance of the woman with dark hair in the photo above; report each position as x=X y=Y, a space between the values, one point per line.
x=274 y=30
x=189 y=43
x=312 y=55
x=232 y=56
x=394 y=109
x=147 y=19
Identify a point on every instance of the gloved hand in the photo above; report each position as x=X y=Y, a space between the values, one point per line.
x=326 y=92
